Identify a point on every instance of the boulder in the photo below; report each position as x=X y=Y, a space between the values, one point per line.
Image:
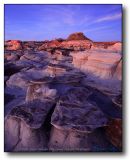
x=82 y=118
x=24 y=129
x=22 y=79
x=73 y=120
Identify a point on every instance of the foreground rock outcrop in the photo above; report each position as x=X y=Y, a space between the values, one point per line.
x=63 y=95
x=23 y=131
x=75 y=118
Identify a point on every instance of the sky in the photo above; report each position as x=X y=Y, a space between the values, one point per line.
x=46 y=22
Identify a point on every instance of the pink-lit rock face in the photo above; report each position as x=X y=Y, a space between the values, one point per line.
x=103 y=65
x=76 y=44
x=13 y=45
x=75 y=41
x=49 y=45
x=117 y=47
x=104 y=45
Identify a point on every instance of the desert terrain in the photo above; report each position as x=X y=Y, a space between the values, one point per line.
x=63 y=95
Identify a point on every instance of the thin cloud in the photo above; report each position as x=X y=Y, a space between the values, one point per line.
x=47 y=21
x=97 y=29
x=109 y=17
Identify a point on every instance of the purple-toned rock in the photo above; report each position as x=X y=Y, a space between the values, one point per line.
x=23 y=127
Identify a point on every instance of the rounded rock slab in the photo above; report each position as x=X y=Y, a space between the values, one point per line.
x=73 y=117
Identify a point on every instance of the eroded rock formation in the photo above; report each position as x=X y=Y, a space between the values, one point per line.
x=63 y=95
x=104 y=65
x=23 y=127
x=117 y=47
x=13 y=45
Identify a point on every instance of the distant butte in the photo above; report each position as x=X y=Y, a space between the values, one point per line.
x=77 y=36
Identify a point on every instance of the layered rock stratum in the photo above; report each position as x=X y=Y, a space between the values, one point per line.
x=63 y=95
